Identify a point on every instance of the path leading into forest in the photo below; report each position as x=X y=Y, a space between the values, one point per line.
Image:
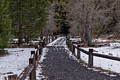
x=59 y=65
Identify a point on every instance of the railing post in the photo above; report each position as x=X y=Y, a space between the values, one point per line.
x=67 y=42
x=90 y=62
x=36 y=55
x=12 y=77
x=70 y=45
x=33 y=62
x=52 y=38
x=31 y=75
x=46 y=40
x=73 y=50
x=32 y=52
x=40 y=50
x=44 y=43
x=78 y=52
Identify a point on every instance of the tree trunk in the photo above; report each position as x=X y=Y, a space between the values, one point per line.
x=87 y=36
x=20 y=34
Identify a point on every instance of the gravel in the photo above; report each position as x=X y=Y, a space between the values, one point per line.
x=58 y=66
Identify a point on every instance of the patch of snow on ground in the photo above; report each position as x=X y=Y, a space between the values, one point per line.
x=15 y=62
x=101 y=40
x=105 y=40
x=115 y=45
x=53 y=43
x=71 y=56
x=39 y=75
x=104 y=63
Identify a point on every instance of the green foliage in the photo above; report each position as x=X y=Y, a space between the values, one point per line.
x=61 y=18
x=22 y=18
x=29 y=16
x=5 y=24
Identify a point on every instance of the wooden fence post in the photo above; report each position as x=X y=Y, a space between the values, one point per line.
x=31 y=74
x=73 y=48
x=70 y=45
x=90 y=62
x=46 y=41
x=33 y=62
x=44 y=44
x=52 y=38
x=67 y=43
x=36 y=55
x=78 y=52
x=12 y=77
x=32 y=52
x=40 y=51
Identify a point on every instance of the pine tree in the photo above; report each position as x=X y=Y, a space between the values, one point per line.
x=61 y=17
x=5 y=24
x=29 y=17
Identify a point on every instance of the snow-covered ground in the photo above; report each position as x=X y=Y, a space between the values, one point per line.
x=104 y=40
x=98 y=62
x=39 y=75
x=107 y=64
x=15 y=62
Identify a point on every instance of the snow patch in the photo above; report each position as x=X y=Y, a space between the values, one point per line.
x=39 y=75
x=104 y=63
x=15 y=62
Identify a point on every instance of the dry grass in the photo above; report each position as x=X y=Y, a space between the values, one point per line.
x=3 y=53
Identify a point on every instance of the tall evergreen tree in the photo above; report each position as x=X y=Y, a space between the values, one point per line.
x=61 y=17
x=5 y=24
x=29 y=16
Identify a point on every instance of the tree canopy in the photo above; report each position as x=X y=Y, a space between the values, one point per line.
x=5 y=24
x=21 y=19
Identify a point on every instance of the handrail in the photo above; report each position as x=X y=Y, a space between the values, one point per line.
x=106 y=56
x=90 y=53
x=84 y=51
x=26 y=72
x=30 y=70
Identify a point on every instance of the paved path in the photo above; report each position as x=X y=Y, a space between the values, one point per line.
x=58 y=66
